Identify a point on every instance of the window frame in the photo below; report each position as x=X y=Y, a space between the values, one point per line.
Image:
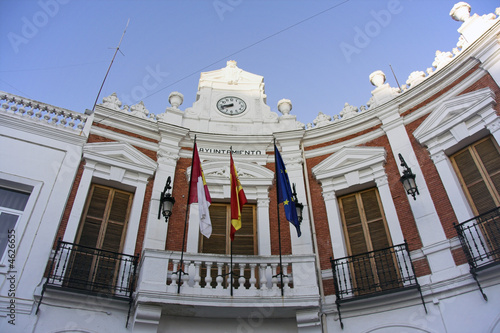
x=101 y=237
x=228 y=229
x=26 y=185
x=495 y=194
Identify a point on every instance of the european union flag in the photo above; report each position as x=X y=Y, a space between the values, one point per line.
x=285 y=191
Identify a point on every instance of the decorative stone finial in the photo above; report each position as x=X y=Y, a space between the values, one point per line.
x=112 y=102
x=442 y=59
x=415 y=78
x=284 y=106
x=348 y=111
x=175 y=99
x=231 y=72
x=377 y=78
x=139 y=110
x=460 y=12
x=322 y=119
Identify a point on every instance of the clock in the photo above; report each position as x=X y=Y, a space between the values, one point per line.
x=231 y=105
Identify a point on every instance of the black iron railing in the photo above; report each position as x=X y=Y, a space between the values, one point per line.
x=480 y=239
x=373 y=273
x=92 y=271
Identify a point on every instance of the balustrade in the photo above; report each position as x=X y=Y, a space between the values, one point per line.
x=26 y=108
x=211 y=274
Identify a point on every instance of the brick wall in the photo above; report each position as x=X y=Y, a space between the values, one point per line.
x=69 y=204
x=180 y=193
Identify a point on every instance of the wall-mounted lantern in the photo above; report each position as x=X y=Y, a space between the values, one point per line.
x=298 y=206
x=166 y=201
x=408 y=179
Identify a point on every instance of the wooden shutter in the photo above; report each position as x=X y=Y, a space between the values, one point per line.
x=478 y=168
x=220 y=240
x=366 y=231
x=103 y=227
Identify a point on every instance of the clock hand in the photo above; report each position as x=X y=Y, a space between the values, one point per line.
x=227 y=105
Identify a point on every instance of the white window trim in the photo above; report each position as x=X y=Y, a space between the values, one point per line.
x=116 y=162
x=452 y=125
x=26 y=214
x=255 y=180
x=353 y=168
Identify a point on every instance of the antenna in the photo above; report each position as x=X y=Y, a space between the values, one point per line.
x=109 y=68
x=395 y=77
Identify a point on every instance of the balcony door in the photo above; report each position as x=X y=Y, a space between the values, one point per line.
x=478 y=168
x=368 y=242
x=95 y=258
x=245 y=240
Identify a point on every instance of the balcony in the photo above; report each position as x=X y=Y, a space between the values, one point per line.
x=480 y=239
x=373 y=273
x=88 y=270
x=205 y=281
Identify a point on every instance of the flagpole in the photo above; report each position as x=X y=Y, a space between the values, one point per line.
x=180 y=271
x=231 y=254
x=278 y=213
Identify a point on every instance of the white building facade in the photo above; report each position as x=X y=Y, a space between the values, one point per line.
x=85 y=247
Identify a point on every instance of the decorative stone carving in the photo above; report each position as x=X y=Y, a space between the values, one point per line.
x=377 y=78
x=460 y=12
x=112 y=102
x=299 y=125
x=381 y=181
x=415 y=78
x=284 y=106
x=175 y=99
x=438 y=157
x=139 y=110
x=442 y=58
x=348 y=111
x=232 y=72
x=322 y=119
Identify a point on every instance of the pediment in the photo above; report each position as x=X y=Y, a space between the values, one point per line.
x=453 y=113
x=349 y=160
x=119 y=154
x=219 y=171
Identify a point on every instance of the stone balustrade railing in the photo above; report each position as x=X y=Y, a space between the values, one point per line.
x=30 y=109
x=207 y=274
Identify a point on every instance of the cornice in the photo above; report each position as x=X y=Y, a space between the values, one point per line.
x=33 y=127
x=127 y=122
x=341 y=128
x=356 y=141
x=110 y=134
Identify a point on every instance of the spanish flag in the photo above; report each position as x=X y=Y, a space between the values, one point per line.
x=238 y=199
x=199 y=193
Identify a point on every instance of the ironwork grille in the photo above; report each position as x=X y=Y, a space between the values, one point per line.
x=93 y=270
x=480 y=239
x=374 y=272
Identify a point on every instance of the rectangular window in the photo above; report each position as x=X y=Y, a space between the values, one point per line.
x=94 y=263
x=245 y=241
x=366 y=231
x=220 y=241
x=12 y=204
x=478 y=168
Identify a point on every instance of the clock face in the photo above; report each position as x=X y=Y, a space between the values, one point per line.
x=231 y=105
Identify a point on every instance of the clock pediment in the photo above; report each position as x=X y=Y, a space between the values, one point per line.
x=232 y=101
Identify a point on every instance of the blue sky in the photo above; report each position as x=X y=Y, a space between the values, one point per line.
x=309 y=51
